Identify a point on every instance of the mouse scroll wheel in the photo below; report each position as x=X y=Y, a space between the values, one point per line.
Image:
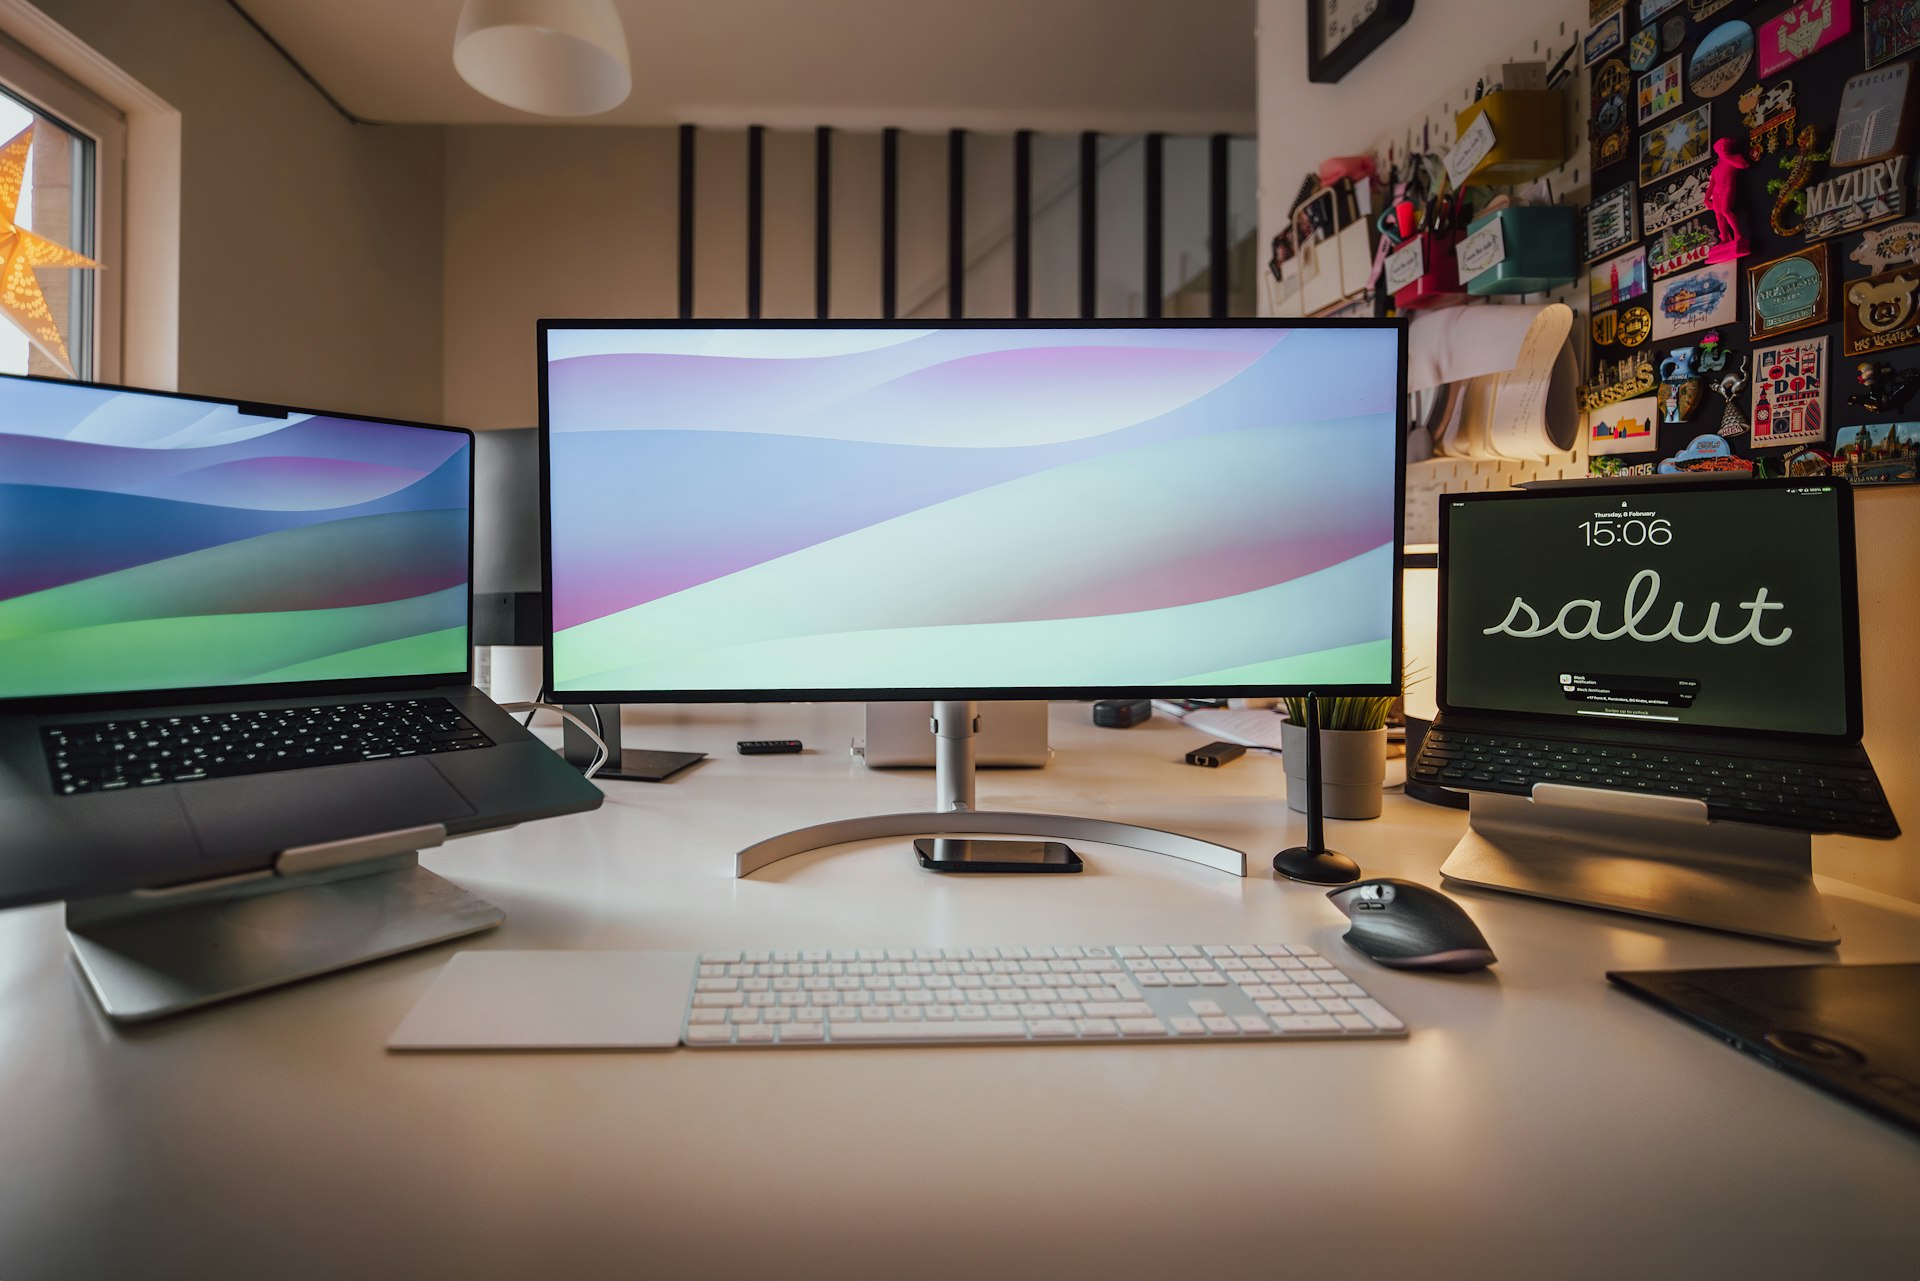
x=1377 y=893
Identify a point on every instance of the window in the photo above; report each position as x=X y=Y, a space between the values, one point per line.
x=71 y=175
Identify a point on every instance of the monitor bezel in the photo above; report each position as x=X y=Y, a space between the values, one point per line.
x=278 y=689
x=1388 y=688
x=1849 y=606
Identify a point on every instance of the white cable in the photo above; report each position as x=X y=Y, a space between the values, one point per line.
x=566 y=715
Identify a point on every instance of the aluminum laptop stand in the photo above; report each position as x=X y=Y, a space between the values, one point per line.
x=323 y=907
x=1658 y=856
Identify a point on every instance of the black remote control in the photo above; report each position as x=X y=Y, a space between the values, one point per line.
x=768 y=746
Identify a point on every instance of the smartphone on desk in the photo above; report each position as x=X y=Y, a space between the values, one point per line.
x=956 y=854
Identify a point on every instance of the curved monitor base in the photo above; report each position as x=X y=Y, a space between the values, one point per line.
x=975 y=823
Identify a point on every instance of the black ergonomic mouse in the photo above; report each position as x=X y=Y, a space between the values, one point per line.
x=1410 y=927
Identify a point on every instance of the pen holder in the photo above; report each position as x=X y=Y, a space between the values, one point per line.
x=1439 y=284
x=1539 y=243
x=1529 y=135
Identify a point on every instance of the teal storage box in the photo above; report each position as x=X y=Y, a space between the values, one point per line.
x=1537 y=246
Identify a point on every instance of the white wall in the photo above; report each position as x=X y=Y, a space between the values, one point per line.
x=309 y=247
x=1301 y=123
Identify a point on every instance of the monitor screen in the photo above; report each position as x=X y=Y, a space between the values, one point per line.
x=971 y=509
x=156 y=542
x=1727 y=606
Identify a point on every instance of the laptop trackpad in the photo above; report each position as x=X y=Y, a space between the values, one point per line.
x=267 y=813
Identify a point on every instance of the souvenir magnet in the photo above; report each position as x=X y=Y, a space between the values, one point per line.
x=1605 y=38
x=1680 y=143
x=1856 y=198
x=1673 y=34
x=1678 y=248
x=1658 y=92
x=1787 y=293
x=1606 y=328
x=1697 y=299
x=1881 y=312
x=1809 y=461
x=1617 y=380
x=1892 y=28
x=1876 y=116
x=1790 y=392
x=1883 y=389
x=1644 y=49
x=1770 y=114
x=1625 y=428
x=1673 y=202
x=1704 y=453
x=1680 y=391
x=1701 y=10
x=1804 y=28
x=1723 y=190
x=1619 y=279
x=1635 y=324
x=1610 y=223
x=1885 y=247
x=1733 y=422
x=1720 y=59
x=1610 y=130
x=1789 y=213
x=1598 y=9
x=1712 y=357
x=1651 y=9
x=1876 y=453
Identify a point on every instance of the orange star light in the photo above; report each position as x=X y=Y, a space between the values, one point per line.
x=21 y=251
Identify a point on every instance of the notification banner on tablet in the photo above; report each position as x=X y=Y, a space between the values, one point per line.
x=1628 y=695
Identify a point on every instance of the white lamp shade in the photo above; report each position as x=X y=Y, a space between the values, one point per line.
x=548 y=57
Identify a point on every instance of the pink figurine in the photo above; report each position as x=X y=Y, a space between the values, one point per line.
x=1720 y=199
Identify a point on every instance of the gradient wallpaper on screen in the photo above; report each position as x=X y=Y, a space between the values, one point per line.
x=820 y=509
x=149 y=542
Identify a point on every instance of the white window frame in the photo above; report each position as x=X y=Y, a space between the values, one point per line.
x=51 y=94
x=136 y=193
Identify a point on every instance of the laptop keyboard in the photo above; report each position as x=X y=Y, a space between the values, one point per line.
x=131 y=752
x=1808 y=796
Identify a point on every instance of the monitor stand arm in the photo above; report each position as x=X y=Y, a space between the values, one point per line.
x=320 y=908
x=1658 y=856
x=955 y=725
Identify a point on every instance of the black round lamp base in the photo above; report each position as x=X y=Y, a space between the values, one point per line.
x=1316 y=867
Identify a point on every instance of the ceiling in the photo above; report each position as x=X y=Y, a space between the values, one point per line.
x=1115 y=65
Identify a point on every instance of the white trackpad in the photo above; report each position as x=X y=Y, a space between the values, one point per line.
x=486 y=1000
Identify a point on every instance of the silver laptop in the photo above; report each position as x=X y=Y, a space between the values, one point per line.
x=230 y=630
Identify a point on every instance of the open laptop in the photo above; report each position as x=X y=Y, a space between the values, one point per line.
x=1696 y=640
x=231 y=630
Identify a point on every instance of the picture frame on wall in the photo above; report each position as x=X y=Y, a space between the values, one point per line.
x=1342 y=33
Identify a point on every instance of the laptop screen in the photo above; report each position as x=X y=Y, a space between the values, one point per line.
x=152 y=542
x=1723 y=606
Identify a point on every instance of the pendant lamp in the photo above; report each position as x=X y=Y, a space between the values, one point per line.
x=548 y=57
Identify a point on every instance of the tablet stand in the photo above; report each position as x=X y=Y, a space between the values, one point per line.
x=1658 y=856
x=955 y=725
x=322 y=907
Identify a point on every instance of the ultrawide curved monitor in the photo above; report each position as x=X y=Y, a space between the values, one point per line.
x=865 y=511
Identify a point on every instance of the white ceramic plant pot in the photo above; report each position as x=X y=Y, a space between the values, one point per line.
x=1353 y=769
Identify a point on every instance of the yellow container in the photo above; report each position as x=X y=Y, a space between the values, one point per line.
x=1529 y=135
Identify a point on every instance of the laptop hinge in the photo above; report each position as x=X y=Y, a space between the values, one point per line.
x=302 y=859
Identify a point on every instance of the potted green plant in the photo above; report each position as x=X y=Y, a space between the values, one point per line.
x=1353 y=755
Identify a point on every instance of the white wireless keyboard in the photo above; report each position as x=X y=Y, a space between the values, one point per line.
x=906 y=996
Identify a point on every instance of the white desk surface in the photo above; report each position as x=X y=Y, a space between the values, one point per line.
x=1537 y=1124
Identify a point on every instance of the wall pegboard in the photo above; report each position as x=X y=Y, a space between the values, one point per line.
x=1571 y=184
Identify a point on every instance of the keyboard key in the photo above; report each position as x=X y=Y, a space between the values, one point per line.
x=1376 y=1013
